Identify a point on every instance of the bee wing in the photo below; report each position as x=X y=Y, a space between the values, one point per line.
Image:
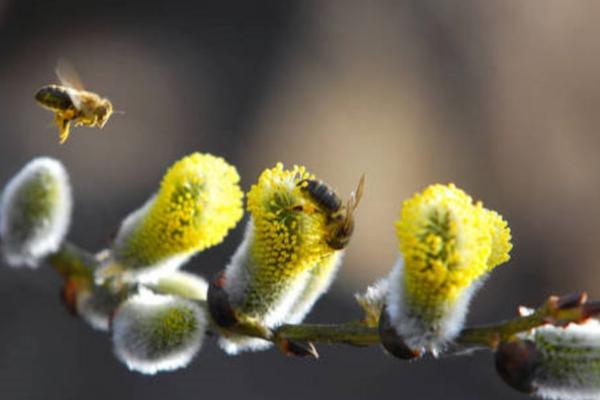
x=67 y=74
x=353 y=201
x=358 y=192
x=75 y=98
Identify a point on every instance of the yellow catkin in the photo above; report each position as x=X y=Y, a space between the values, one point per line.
x=198 y=203
x=288 y=240
x=448 y=243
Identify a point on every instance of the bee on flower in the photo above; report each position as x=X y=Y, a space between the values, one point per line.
x=291 y=251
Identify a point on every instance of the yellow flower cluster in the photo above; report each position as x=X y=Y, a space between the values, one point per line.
x=289 y=235
x=198 y=203
x=447 y=243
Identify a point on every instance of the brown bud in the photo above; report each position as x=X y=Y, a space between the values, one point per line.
x=571 y=300
x=392 y=342
x=516 y=363
x=296 y=349
x=68 y=296
x=219 y=306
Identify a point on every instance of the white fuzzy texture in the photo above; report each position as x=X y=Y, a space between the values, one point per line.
x=133 y=330
x=293 y=303
x=183 y=284
x=236 y=344
x=569 y=366
x=318 y=283
x=238 y=274
x=96 y=307
x=237 y=278
x=586 y=334
x=375 y=294
x=25 y=243
x=373 y=299
x=146 y=274
x=422 y=335
x=564 y=393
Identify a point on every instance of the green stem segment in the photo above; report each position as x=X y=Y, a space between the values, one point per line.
x=350 y=333
x=73 y=262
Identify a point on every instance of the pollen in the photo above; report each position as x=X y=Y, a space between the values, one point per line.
x=448 y=243
x=199 y=201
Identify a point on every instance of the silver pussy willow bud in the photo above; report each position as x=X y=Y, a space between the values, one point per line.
x=554 y=363
x=35 y=212
x=182 y=284
x=154 y=333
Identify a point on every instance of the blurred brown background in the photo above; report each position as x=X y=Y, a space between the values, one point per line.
x=499 y=97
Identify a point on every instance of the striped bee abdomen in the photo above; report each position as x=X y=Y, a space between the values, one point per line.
x=322 y=194
x=54 y=97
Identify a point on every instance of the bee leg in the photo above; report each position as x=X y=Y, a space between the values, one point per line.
x=64 y=131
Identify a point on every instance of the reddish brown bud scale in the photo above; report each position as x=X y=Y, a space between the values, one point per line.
x=392 y=342
x=219 y=306
x=516 y=363
x=68 y=296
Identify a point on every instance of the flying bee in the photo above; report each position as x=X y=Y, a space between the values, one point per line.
x=71 y=103
x=340 y=217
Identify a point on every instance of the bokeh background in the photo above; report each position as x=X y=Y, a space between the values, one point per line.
x=500 y=97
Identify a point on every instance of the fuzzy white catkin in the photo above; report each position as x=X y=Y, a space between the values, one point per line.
x=154 y=332
x=569 y=366
x=35 y=212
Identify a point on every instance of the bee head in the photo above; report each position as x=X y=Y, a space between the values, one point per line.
x=343 y=220
x=103 y=112
x=342 y=232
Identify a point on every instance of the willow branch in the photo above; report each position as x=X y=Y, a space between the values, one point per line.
x=73 y=262
x=559 y=311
